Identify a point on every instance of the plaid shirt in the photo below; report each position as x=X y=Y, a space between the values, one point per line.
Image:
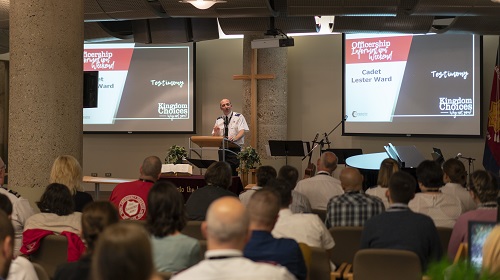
x=352 y=209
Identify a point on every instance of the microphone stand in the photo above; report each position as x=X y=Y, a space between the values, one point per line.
x=322 y=142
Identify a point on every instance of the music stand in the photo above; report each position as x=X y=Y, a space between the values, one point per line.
x=286 y=148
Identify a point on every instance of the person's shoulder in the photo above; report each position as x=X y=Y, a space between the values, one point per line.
x=12 y=195
x=219 y=118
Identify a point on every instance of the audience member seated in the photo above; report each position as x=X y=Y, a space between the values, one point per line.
x=264 y=174
x=354 y=207
x=483 y=187
x=455 y=178
x=6 y=245
x=218 y=178
x=67 y=171
x=491 y=252
x=388 y=167
x=444 y=209
x=263 y=208
x=130 y=198
x=21 y=209
x=123 y=251
x=300 y=203
x=57 y=217
x=227 y=232
x=96 y=216
x=320 y=188
x=400 y=228
x=20 y=267
x=303 y=228
x=172 y=250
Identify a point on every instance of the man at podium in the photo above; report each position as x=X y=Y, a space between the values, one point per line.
x=232 y=126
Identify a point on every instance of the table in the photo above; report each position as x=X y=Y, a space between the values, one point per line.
x=103 y=180
x=188 y=184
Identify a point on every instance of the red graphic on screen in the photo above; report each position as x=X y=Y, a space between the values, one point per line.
x=106 y=59
x=382 y=49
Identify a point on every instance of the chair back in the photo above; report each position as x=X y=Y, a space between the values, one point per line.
x=306 y=254
x=347 y=242
x=321 y=214
x=386 y=264
x=53 y=251
x=40 y=272
x=320 y=264
x=444 y=236
x=193 y=229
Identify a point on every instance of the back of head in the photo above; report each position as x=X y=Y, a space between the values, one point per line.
x=263 y=208
x=264 y=174
x=5 y=204
x=328 y=162
x=66 y=170
x=6 y=238
x=96 y=216
x=219 y=174
x=387 y=168
x=289 y=174
x=402 y=187
x=430 y=174
x=351 y=179
x=227 y=221
x=166 y=212
x=455 y=169
x=484 y=185
x=56 y=199
x=151 y=166
x=284 y=190
x=123 y=252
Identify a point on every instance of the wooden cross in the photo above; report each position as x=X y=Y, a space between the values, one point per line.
x=253 y=77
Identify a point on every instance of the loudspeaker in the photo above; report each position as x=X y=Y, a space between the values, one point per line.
x=90 y=85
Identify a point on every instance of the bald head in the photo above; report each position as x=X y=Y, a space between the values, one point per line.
x=327 y=162
x=351 y=179
x=263 y=208
x=227 y=222
x=226 y=106
x=151 y=168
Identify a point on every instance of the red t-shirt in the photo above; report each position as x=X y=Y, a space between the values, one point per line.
x=131 y=199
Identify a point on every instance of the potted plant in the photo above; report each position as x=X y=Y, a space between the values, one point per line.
x=248 y=157
x=175 y=154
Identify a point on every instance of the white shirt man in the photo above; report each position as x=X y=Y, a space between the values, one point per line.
x=21 y=210
x=233 y=121
x=227 y=231
x=320 y=188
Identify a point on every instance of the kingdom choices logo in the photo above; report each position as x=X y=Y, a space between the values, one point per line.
x=455 y=106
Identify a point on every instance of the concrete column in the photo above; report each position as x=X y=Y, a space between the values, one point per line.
x=46 y=81
x=272 y=94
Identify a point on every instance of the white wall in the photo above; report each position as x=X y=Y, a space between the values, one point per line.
x=314 y=105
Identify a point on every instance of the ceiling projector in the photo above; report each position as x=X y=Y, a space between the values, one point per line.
x=272 y=43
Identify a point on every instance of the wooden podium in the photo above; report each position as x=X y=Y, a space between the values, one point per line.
x=211 y=142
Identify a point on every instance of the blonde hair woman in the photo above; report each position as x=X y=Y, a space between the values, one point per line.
x=67 y=171
x=387 y=168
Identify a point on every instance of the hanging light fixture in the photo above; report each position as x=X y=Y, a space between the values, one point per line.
x=202 y=4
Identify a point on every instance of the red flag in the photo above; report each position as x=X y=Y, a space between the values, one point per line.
x=491 y=157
